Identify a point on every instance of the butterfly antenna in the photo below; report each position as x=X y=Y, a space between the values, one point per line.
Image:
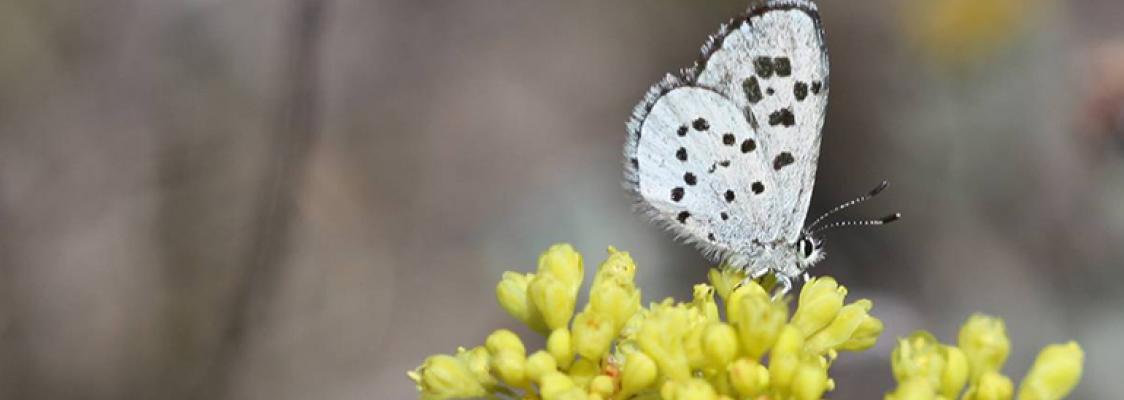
x=872 y=222
x=869 y=195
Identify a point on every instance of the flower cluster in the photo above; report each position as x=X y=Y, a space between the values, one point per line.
x=928 y=370
x=614 y=348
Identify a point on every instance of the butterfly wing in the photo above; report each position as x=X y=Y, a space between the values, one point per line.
x=773 y=64
x=694 y=162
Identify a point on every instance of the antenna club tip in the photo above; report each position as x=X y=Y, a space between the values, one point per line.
x=881 y=186
x=891 y=218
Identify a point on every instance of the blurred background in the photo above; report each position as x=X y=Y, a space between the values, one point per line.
x=293 y=199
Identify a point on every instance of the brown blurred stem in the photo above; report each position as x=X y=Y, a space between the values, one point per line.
x=293 y=136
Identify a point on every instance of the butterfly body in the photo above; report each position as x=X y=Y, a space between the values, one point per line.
x=724 y=154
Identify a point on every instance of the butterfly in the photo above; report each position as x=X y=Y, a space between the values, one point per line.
x=724 y=153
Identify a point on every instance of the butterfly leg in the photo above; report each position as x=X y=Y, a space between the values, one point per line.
x=785 y=285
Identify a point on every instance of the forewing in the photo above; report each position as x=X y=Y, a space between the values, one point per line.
x=773 y=65
x=695 y=165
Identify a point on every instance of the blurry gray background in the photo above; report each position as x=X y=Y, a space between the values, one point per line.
x=298 y=199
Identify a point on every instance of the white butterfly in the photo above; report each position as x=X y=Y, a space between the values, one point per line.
x=724 y=154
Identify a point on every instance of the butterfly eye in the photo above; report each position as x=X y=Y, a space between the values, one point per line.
x=805 y=247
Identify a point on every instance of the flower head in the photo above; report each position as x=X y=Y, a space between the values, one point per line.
x=615 y=348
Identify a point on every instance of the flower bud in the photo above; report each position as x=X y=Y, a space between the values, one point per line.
x=748 y=377
x=991 y=386
x=559 y=346
x=511 y=293
x=593 y=333
x=554 y=384
x=758 y=320
x=504 y=340
x=820 y=301
x=539 y=364
x=583 y=371
x=618 y=266
x=553 y=298
x=616 y=299
x=704 y=302
x=661 y=337
x=810 y=380
x=563 y=263
x=917 y=388
x=724 y=280
x=443 y=377
x=865 y=336
x=602 y=385
x=918 y=356
x=841 y=328
x=984 y=342
x=955 y=373
x=785 y=358
x=1055 y=372
x=719 y=344
x=478 y=362
x=638 y=373
x=511 y=367
x=688 y=389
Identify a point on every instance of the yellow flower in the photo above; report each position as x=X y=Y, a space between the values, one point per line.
x=720 y=344
x=446 y=377
x=748 y=377
x=927 y=369
x=565 y=264
x=593 y=333
x=511 y=293
x=690 y=389
x=984 y=341
x=918 y=356
x=917 y=388
x=820 y=301
x=615 y=348
x=661 y=337
x=991 y=386
x=638 y=373
x=842 y=328
x=757 y=318
x=1054 y=374
x=810 y=380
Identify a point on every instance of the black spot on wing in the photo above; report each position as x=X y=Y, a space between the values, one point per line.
x=763 y=66
x=752 y=89
x=729 y=139
x=748 y=145
x=782 y=160
x=701 y=124
x=783 y=116
x=800 y=90
x=782 y=66
x=729 y=196
x=681 y=154
x=690 y=179
x=757 y=187
x=816 y=86
x=682 y=130
x=724 y=216
x=677 y=194
x=682 y=217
